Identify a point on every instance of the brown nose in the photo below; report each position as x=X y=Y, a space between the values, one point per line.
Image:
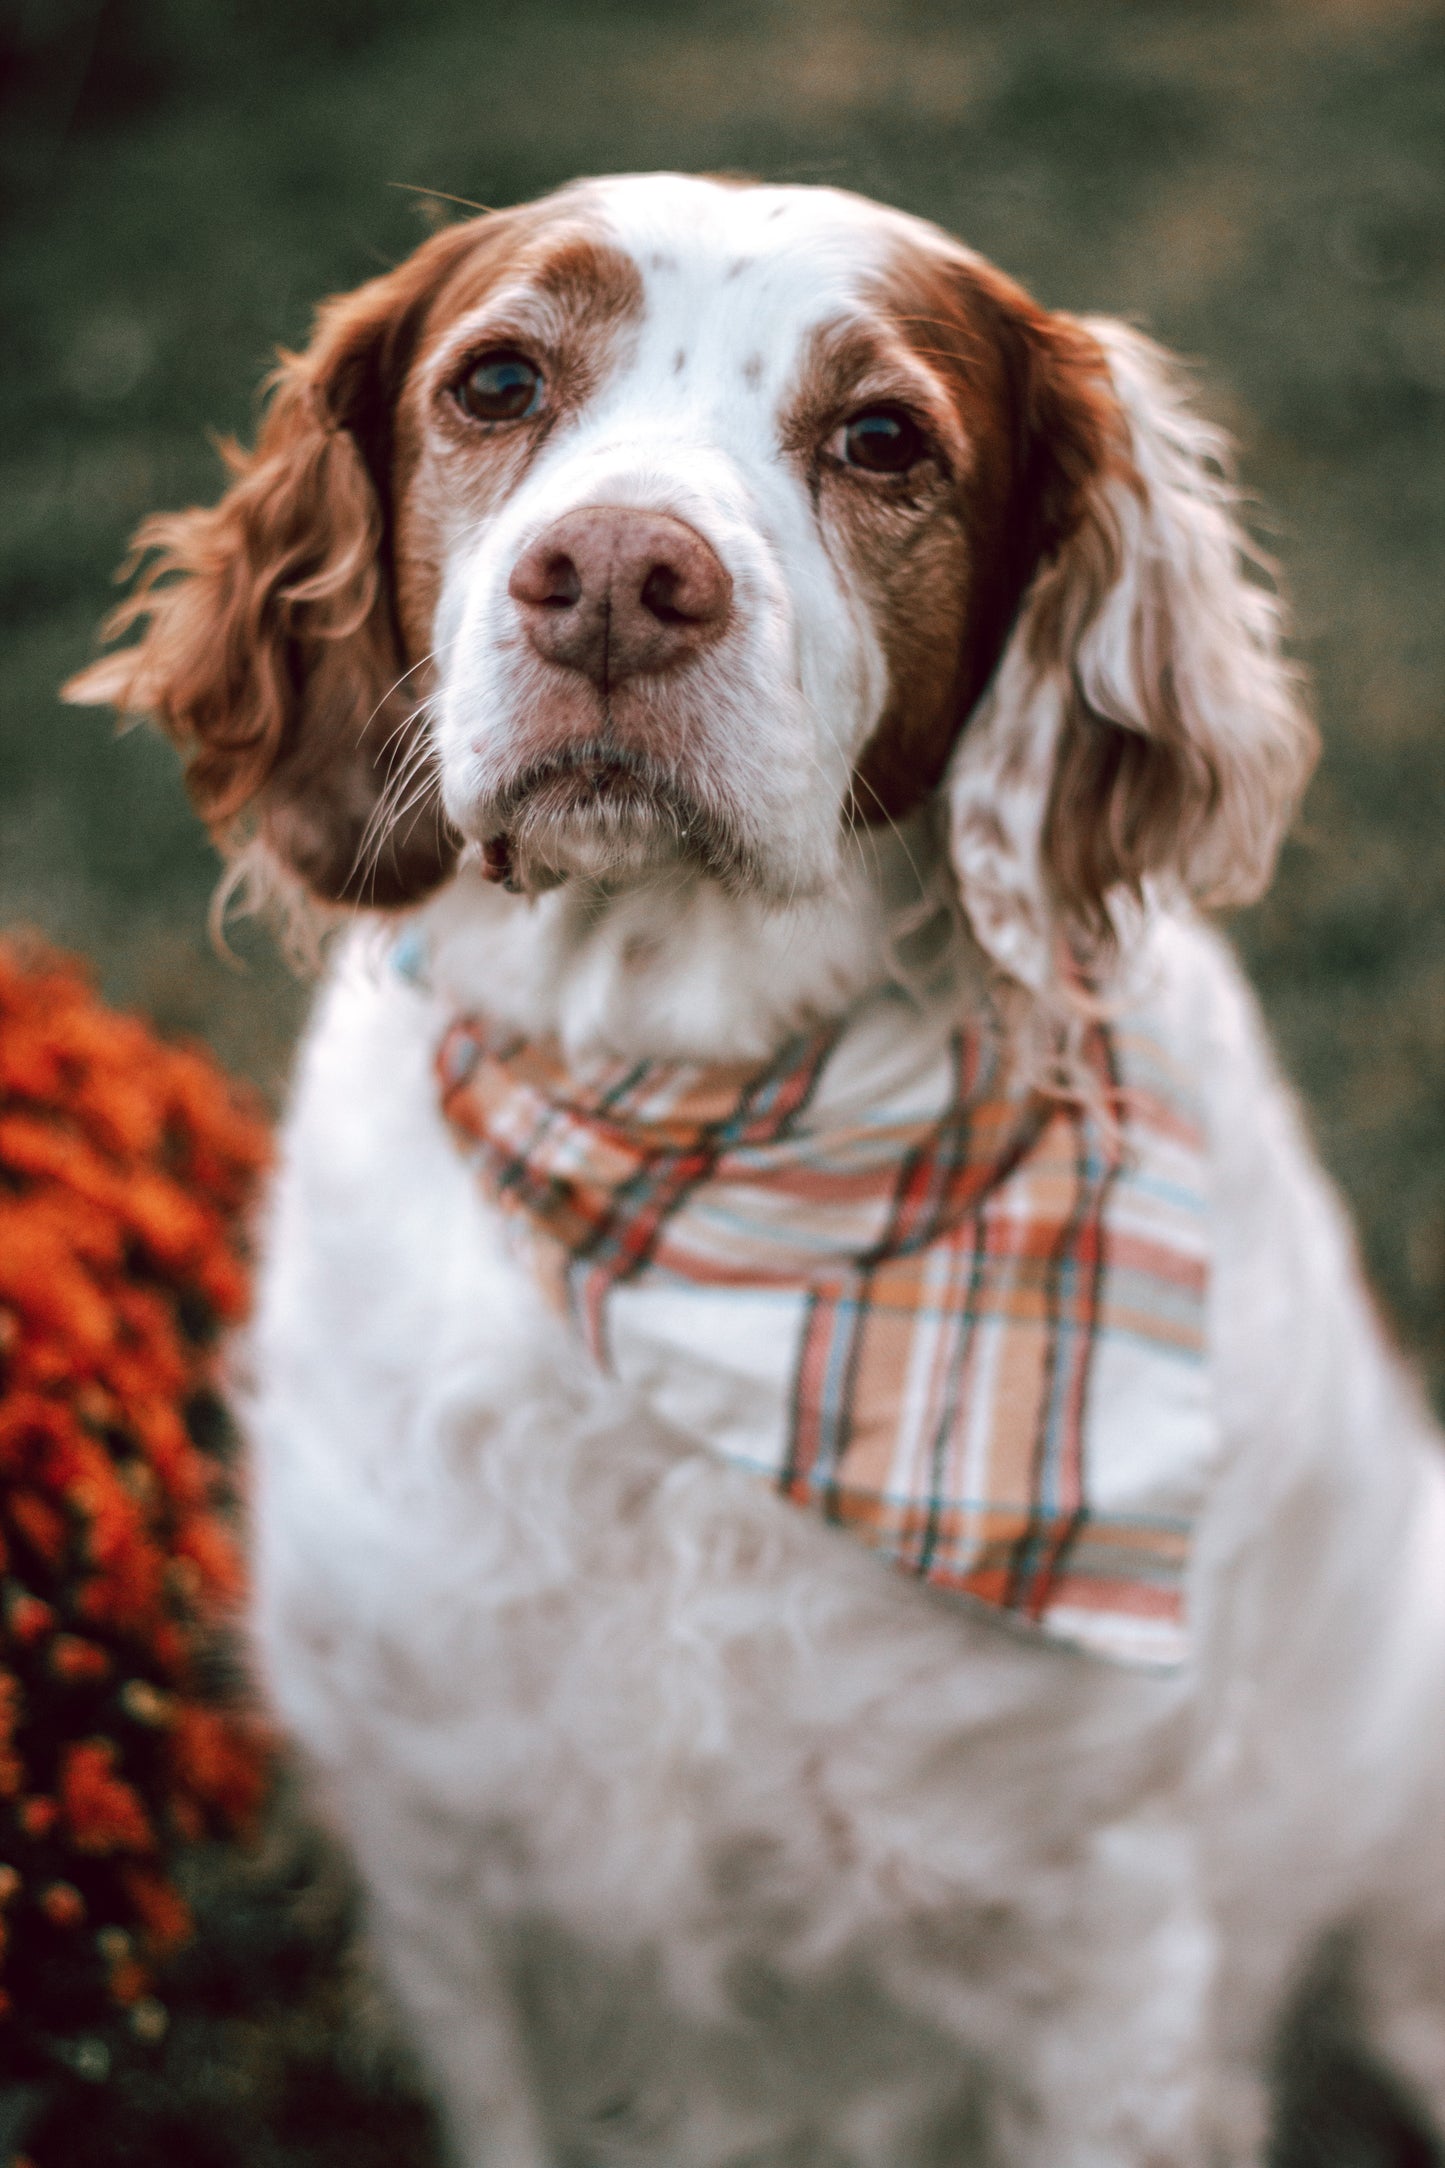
x=617 y=593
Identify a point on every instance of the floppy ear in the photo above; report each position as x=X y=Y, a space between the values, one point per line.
x=1142 y=725
x=269 y=649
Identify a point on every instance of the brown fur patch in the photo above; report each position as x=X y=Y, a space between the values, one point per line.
x=1030 y=399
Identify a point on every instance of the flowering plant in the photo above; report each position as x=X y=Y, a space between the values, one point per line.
x=125 y=1168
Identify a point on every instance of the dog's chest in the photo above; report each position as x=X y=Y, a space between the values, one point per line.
x=646 y=1718
x=482 y=1568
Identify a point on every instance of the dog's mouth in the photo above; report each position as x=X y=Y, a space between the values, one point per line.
x=605 y=813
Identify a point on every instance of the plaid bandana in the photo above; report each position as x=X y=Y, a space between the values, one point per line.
x=961 y=1320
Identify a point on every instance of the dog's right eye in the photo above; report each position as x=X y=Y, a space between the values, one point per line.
x=883 y=440
x=501 y=387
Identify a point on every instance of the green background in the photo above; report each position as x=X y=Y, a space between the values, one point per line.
x=1263 y=186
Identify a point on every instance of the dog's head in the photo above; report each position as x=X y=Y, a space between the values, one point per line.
x=681 y=519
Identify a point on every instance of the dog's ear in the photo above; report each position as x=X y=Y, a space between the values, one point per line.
x=269 y=649
x=1142 y=725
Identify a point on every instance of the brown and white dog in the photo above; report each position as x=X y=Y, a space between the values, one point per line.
x=691 y=603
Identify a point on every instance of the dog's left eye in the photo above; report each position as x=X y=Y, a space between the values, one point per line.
x=882 y=440
x=501 y=387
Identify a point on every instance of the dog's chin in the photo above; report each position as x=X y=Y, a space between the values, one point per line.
x=603 y=818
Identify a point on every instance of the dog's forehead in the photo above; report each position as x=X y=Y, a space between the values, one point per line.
x=749 y=266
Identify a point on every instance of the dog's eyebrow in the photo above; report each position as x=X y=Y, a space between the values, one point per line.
x=847 y=355
x=585 y=283
x=592 y=279
x=577 y=282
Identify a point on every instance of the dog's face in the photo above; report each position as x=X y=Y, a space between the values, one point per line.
x=680 y=519
x=700 y=515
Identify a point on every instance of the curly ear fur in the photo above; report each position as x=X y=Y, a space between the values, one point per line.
x=1143 y=724
x=269 y=650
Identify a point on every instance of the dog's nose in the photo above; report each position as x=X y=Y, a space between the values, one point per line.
x=618 y=593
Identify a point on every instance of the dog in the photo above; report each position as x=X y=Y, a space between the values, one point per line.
x=830 y=1511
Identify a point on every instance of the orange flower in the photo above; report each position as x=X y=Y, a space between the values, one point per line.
x=216 y=1763
x=27 y=1617
x=62 y=1904
x=163 y=1914
x=72 y=1658
x=125 y=1165
x=103 y=1813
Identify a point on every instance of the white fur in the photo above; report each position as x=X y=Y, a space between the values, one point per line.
x=693 y=1835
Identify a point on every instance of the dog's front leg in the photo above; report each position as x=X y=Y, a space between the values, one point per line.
x=490 y=2114
x=1399 y=1928
x=1123 y=2075
x=1090 y=2001
x=461 y=2019
x=430 y=1933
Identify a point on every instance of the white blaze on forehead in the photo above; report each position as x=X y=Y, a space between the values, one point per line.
x=688 y=212
x=736 y=277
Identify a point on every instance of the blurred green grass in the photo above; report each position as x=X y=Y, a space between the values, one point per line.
x=1260 y=182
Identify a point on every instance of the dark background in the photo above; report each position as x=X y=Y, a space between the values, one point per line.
x=1261 y=185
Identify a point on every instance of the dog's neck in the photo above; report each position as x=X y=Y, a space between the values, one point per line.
x=679 y=968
